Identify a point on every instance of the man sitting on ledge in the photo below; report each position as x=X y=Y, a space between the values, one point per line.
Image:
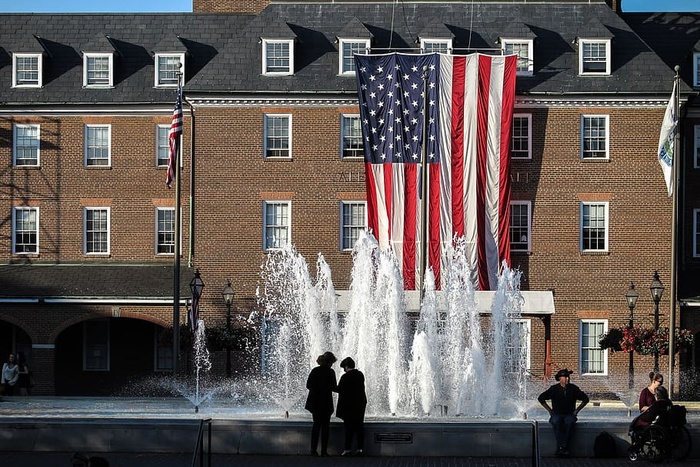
x=563 y=412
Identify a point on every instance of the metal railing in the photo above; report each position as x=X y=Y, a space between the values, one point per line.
x=199 y=444
x=535 y=460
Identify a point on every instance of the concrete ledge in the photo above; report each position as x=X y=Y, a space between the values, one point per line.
x=382 y=438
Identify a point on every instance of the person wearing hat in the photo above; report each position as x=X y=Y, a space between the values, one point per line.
x=352 y=402
x=563 y=411
x=321 y=383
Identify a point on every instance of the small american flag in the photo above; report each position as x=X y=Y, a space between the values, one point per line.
x=175 y=133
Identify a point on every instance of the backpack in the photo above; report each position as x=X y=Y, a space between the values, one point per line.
x=677 y=415
x=604 y=445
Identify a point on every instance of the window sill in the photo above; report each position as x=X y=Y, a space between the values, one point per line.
x=595 y=253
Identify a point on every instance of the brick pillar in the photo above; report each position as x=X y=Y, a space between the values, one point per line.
x=43 y=369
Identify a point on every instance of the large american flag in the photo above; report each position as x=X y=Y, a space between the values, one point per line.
x=469 y=114
x=174 y=137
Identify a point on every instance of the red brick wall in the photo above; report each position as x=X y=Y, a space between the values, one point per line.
x=229 y=6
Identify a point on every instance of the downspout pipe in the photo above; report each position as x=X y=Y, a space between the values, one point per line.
x=190 y=247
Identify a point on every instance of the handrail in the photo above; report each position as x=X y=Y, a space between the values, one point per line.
x=199 y=444
x=535 y=461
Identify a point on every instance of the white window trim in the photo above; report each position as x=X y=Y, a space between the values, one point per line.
x=40 y=66
x=696 y=147
x=529 y=223
x=14 y=232
x=88 y=55
x=289 y=131
x=607 y=43
x=528 y=116
x=109 y=144
x=696 y=233
x=341 y=225
x=165 y=127
x=580 y=345
x=15 y=139
x=289 y=226
x=109 y=230
x=607 y=137
x=109 y=345
x=696 y=69
x=607 y=226
x=528 y=344
x=342 y=138
x=530 y=52
x=155 y=228
x=156 y=61
x=341 y=55
x=265 y=42
x=435 y=40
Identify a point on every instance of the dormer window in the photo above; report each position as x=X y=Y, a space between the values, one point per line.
x=594 y=56
x=429 y=46
x=696 y=69
x=523 y=48
x=26 y=70
x=278 y=57
x=348 y=48
x=168 y=67
x=98 y=70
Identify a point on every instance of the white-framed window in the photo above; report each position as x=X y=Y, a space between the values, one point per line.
x=696 y=147
x=523 y=48
x=594 y=56
x=353 y=220
x=162 y=145
x=97 y=145
x=696 y=69
x=25 y=148
x=165 y=231
x=594 y=226
x=98 y=70
x=162 y=351
x=27 y=70
x=432 y=45
x=278 y=135
x=520 y=212
x=277 y=224
x=350 y=137
x=696 y=233
x=96 y=230
x=594 y=136
x=277 y=57
x=593 y=360
x=348 y=48
x=521 y=138
x=25 y=230
x=96 y=345
x=517 y=345
x=168 y=68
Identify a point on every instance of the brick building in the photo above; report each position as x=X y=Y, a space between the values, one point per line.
x=87 y=238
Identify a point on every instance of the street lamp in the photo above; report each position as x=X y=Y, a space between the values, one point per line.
x=196 y=286
x=227 y=293
x=631 y=296
x=657 y=291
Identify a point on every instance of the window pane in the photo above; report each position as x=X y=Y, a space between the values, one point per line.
x=520 y=143
x=27 y=69
x=594 y=137
x=96 y=345
x=592 y=357
x=98 y=70
x=594 y=57
x=349 y=49
x=96 y=231
x=277 y=57
x=277 y=136
x=430 y=47
x=97 y=145
x=26 y=230
x=522 y=50
x=519 y=226
x=594 y=223
x=27 y=145
x=163 y=145
x=166 y=231
x=276 y=225
x=352 y=136
x=353 y=223
x=168 y=70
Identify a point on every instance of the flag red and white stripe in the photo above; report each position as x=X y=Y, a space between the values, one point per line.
x=470 y=110
x=174 y=139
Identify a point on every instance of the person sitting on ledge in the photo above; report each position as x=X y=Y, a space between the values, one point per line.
x=563 y=412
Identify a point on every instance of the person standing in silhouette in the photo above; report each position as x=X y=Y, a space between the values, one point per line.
x=321 y=384
x=563 y=412
x=352 y=402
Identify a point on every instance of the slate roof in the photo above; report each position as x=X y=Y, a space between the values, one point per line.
x=91 y=281
x=224 y=50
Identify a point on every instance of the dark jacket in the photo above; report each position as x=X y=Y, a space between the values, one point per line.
x=352 y=399
x=563 y=399
x=321 y=384
x=658 y=408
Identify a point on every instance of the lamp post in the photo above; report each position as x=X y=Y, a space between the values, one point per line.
x=631 y=296
x=227 y=293
x=657 y=291
x=196 y=286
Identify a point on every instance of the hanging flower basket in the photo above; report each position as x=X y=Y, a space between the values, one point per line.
x=644 y=341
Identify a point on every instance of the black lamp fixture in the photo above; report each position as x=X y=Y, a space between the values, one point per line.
x=632 y=295
x=196 y=286
x=228 y=294
x=657 y=292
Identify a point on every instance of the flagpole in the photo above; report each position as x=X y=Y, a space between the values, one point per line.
x=676 y=187
x=176 y=250
x=424 y=191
